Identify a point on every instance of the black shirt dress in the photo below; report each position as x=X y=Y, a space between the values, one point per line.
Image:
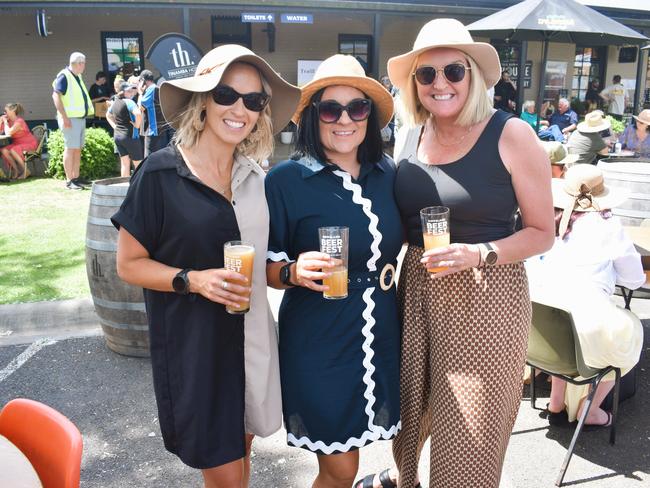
x=197 y=348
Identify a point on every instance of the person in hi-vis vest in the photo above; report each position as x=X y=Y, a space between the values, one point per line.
x=73 y=105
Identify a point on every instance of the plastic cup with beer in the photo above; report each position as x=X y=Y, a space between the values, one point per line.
x=435 y=230
x=239 y=256
x=334 y=242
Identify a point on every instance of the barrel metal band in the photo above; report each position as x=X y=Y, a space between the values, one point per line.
x=116 y=325
x=105 y=202
x=111 y=190
x=101 y=245
x=100 y=221
x=137 y=306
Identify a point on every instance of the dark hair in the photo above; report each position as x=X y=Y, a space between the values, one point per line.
x=100 y=74
x=617 y=78
x=605 y=214
x=308 y=141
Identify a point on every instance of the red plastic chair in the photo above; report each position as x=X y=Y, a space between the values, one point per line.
x=51 y=442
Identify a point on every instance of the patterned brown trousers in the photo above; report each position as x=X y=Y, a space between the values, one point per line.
x=464 y=345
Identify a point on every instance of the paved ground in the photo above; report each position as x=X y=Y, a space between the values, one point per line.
x=110 y=399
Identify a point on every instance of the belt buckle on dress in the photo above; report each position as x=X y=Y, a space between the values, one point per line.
x=388 y=268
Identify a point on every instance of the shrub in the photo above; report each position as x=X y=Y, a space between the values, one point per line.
x=98 y=159
x=618 y=126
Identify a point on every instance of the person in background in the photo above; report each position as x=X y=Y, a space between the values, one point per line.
x=216 y=374
x=100 y=91
x=155 y=128
x=465 y=327
x=636 y=136
x=560 y=159
x=592 y=97
x=126 y=119
x=12 y=124
x=529 y=115
x=73 y=105
x=591 y=255
x=588 y=142
x=616 y=97
x=505 y=93
x=561 y=123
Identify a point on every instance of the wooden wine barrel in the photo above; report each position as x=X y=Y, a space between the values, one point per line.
x=119 y=306
x=634 y=176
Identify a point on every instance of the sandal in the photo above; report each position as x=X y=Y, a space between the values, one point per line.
x=384 y=479
x=588 y=427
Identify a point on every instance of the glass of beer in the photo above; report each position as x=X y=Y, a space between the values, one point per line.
x=334 y=241
x=239 y=256
x=435 y=230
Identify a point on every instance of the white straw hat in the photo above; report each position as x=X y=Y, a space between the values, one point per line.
x=446 y=33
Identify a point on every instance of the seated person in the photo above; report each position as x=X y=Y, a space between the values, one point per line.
x=591 y=255
x=529 y=115
x=587 y=142
x=562 y=122
x=12 y=124
x=560 y=159
x=637 y=135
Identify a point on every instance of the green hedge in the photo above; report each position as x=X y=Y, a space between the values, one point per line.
x=98 y=159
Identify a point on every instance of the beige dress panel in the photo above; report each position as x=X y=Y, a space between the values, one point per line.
x=263 y=408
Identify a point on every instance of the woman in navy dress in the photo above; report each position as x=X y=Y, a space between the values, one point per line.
x=339 y=359
x=213 y=372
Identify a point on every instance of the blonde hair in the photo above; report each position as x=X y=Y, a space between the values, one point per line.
x=16 y=107
x=257 y=146
x=477 y=106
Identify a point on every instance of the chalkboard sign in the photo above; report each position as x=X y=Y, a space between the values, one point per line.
x=627 y=55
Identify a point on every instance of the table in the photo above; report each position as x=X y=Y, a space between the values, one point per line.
x=5 y=140
x=15 y=469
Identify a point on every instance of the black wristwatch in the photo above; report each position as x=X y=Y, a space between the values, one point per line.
x=285 y=274
x=181 y=283
x=488 y=255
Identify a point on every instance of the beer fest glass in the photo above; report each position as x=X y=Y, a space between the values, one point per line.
x=435 y=230
x=334 y=242
x=238 y=256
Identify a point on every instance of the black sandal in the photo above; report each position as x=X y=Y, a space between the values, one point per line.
x=384 y=479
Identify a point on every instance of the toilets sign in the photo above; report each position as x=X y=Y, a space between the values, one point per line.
x=258 y=17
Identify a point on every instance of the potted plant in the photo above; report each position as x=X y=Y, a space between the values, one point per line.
x=286 y=135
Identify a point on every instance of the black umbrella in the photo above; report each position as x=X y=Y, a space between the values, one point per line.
x=554 y=21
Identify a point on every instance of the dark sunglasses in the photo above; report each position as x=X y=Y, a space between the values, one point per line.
x=454 y=72
x=330 y=111
x=254 y=101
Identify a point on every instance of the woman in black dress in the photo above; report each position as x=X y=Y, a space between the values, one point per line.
x=184 y=203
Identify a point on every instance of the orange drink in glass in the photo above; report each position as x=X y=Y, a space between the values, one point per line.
x=334 y=242
x=435 y=230
x=239 y=256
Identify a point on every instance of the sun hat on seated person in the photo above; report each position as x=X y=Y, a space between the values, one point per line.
x=594 y=122
x=583 y=189
x=558 y=154
x=343 y=69
x=643 y=117
x=452 y=34
x=175 y=94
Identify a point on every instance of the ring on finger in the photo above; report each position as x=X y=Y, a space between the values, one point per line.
x=224 y=285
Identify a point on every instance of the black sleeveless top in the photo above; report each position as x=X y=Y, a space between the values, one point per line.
x=477 y=188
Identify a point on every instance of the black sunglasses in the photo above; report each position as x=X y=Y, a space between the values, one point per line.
x=330 y=111
x=454 y=72
x=254 y=101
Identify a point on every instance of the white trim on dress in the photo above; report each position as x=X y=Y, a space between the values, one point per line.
x=277 y=256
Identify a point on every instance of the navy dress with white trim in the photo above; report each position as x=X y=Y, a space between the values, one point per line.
x=339 y=359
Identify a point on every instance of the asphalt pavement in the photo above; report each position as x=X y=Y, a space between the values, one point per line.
x=65 y=364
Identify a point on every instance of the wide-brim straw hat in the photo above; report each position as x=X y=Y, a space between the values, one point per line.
x=558 y=154
x=448 y=33
x=343 y=69
x=583 y=189
x=176 y=94
x=643 y=117
x=594 y=122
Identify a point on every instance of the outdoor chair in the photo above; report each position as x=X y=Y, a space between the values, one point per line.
x=554 y=348
x=34 y=159
x=50 y=441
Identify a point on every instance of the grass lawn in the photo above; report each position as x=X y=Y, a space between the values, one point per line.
x=42 y=240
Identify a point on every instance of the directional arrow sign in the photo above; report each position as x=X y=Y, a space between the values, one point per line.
x=258 y=17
